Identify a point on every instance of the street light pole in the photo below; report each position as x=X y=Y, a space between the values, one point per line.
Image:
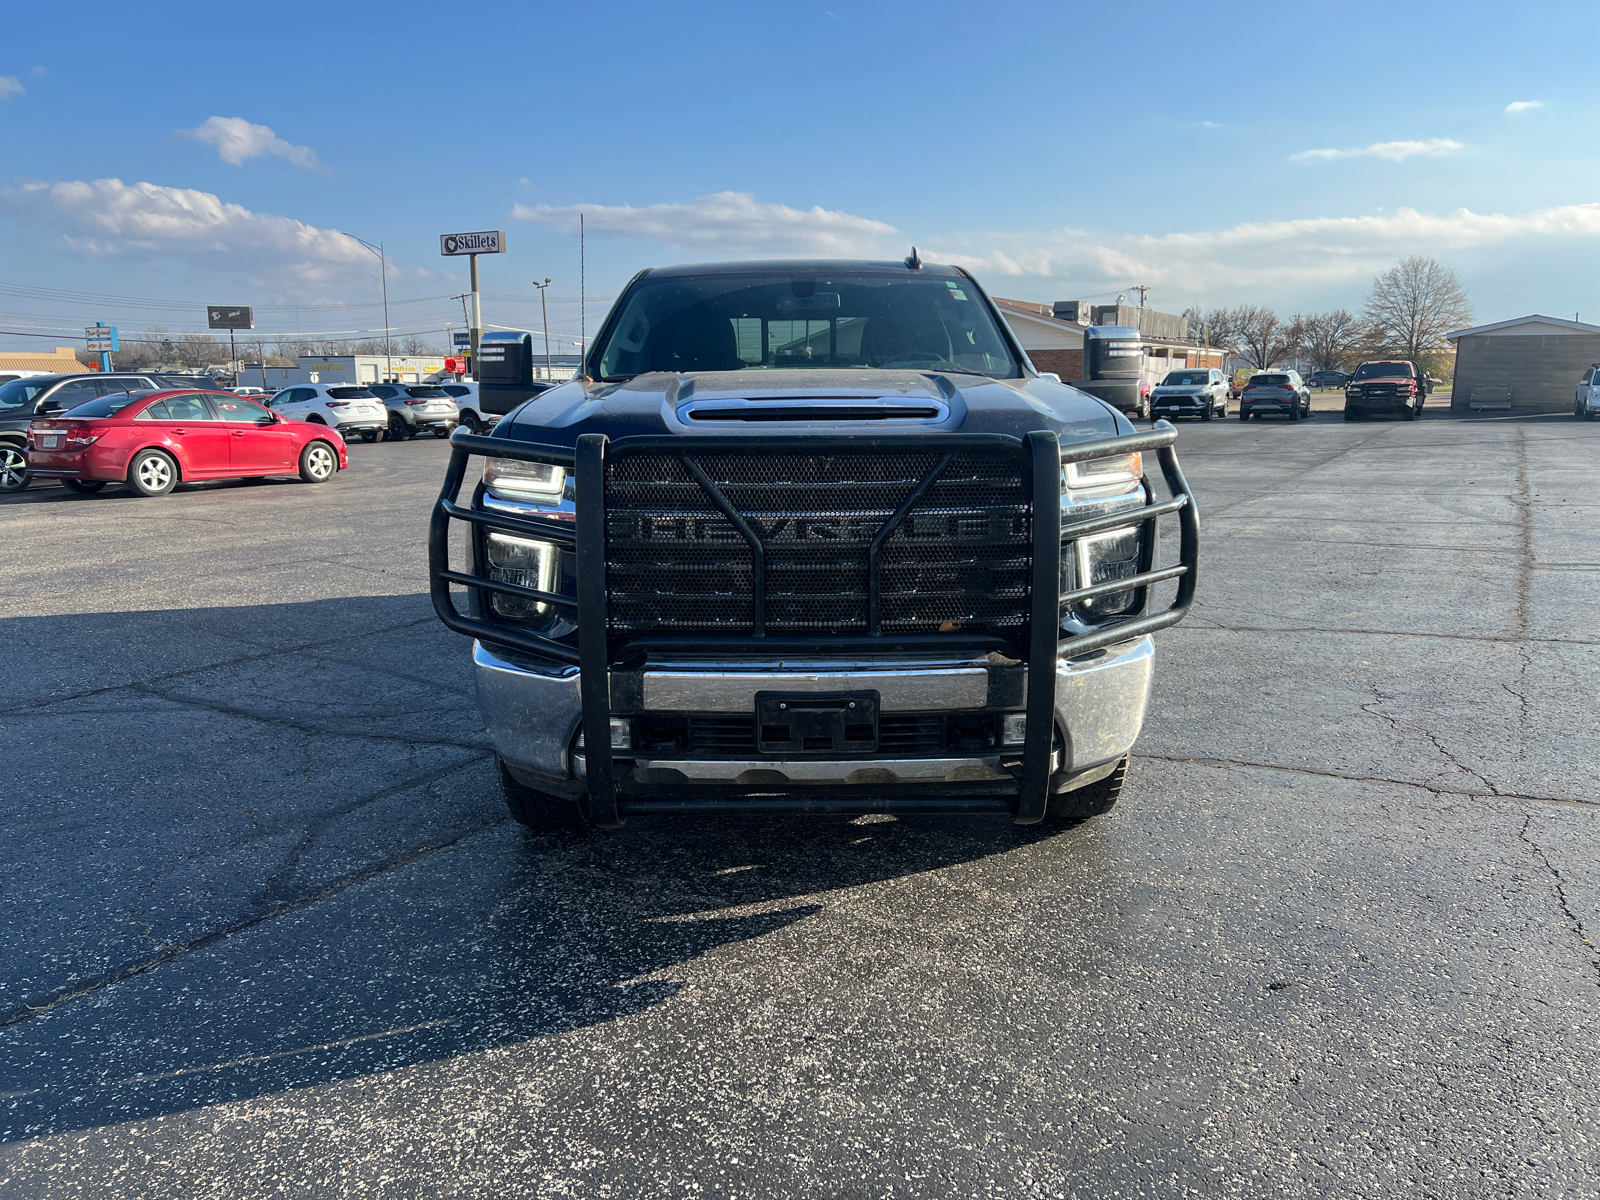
x=388 y=344
x=544 y=312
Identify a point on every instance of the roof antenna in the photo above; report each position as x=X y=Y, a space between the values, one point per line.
x=914 y=260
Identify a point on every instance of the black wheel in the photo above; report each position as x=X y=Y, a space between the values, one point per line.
x=318 y=462
x=1294 y=412
x=1349 y=414
x=536 y=809
x=441 y=431
x=313 y=419
x=398 y=430
x=152 y=473
x=369 y=435
x=85 y=487
x=14 y=473
x=1408 y=413
x=1094 y=800
x=469 y=420
x=1243 y=416
x=1205 y=413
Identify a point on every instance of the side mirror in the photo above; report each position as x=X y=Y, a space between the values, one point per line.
x=267 y=419
x=1050 y=375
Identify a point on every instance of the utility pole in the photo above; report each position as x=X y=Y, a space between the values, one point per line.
x=544 y=312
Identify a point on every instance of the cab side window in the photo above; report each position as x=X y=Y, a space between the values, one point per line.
x=70 y=395
x=187 y=408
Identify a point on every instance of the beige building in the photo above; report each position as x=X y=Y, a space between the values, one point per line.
x=1052 y=334
x=63 y=361
x=1533 y=361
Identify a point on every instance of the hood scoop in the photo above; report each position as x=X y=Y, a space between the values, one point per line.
x=828 y=410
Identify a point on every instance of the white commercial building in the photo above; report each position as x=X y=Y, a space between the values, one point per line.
x=347 y=369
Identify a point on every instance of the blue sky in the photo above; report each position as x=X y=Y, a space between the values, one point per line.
x=1242 y=152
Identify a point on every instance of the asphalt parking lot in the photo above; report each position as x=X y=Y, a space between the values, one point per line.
x=268 y=932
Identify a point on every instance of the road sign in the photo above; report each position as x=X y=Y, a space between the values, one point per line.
x=491 y=242
x=461 y=340
x=102 y=339
x=224 y=316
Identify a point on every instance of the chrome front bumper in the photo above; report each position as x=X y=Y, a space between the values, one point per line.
x=533 y=716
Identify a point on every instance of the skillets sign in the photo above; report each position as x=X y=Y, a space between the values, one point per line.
x=492 y=241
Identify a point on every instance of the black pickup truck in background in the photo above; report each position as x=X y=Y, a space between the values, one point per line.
x=505 y=372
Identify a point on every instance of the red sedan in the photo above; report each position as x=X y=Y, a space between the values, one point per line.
x=151 y=441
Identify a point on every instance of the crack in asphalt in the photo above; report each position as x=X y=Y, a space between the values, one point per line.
x=175 y=950
x=271 y=889
x=1328 y=773
x=211 y=666
x=1201 y=622
x=303 y=726
x=1559 y=883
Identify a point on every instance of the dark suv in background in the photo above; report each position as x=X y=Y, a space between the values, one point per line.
x=32 y=396
x=1386 y=386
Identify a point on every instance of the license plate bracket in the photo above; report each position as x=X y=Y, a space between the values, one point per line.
x=802 y=723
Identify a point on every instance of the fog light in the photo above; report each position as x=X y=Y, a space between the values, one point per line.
x=1013 y=729
x=621 y=735
x=525 y=563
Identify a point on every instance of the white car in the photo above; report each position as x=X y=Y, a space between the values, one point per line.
x=249 y=391
x=350 y=410
x=414 y=407
x=472 y=418
x=1588 y=403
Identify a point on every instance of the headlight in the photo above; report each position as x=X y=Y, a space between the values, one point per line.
x=526 y=563
x=1102 y=472
x=513 y=480
x=1103 y=558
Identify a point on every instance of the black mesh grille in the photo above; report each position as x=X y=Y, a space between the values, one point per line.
x=734 y=735
x=901 y=733
x=958 y=561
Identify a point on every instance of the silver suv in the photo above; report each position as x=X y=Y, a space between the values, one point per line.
x=1193 y=392
x=414 y=407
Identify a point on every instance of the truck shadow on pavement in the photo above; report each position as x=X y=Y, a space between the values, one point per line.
x=502 y=939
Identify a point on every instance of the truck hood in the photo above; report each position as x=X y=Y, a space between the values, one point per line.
x=768 y=403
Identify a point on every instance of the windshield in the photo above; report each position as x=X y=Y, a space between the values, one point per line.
x=351 y=393
x=1185 y=378
x=105 y=406
x=20 y=392
x=1384 y=370
x=765 y=321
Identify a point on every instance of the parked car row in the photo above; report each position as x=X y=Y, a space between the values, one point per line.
x=31 y=403
x=1587 y=405
x=153 y=440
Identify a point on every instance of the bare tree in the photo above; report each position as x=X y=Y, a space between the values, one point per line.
x=1413 y=305
x=413 y=343
x=1218 y=328
x=1261 y=337
x=1331 y=339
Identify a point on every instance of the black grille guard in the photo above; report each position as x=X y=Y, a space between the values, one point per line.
x=596 y=649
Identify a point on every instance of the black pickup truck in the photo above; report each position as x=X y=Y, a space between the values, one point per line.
x=811 y=537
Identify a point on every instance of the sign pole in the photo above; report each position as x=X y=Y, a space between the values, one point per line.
x=476 y=332
x=105 y=356
x=233 y=355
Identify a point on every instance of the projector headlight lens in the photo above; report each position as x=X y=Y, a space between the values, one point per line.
x=542 y=483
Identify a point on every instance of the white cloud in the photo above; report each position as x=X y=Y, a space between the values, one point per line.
x=107 y=216
x=1394 y=151
x=236 y=139
x=730 y=221
x=1286 y=258
x=1517 y=106
x=10 y=85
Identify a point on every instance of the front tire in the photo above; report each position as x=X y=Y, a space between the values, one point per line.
x=14 y=473
x=85 y=487
x=318 y=462
x=152 y=473
x=534 y=809
x=1094 y=800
